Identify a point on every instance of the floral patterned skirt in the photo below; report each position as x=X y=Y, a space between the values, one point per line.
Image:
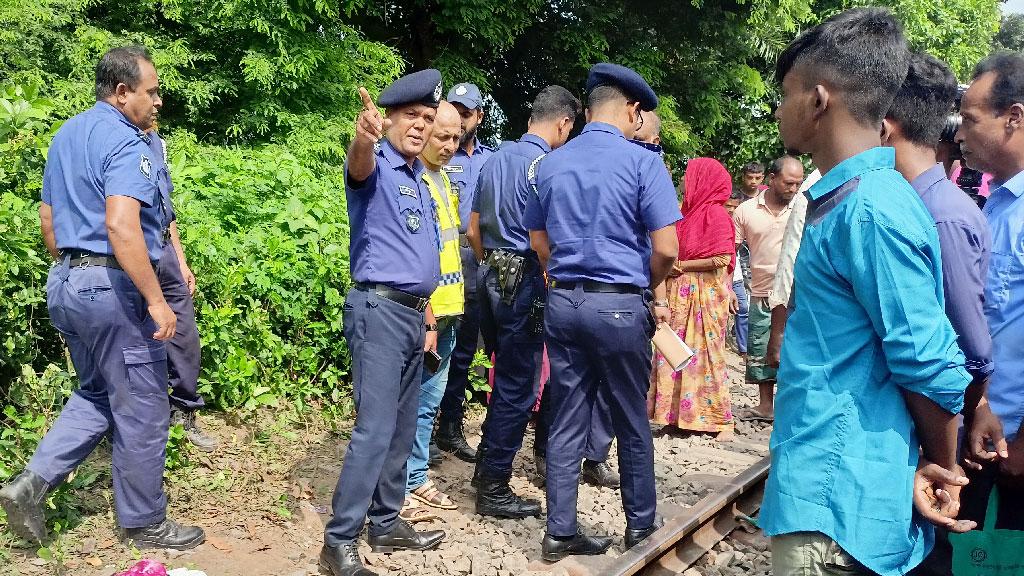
x=696 y=397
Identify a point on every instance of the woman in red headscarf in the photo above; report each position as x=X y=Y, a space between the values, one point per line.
x=699 y=294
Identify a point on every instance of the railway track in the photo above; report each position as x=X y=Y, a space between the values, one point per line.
x=690 y=533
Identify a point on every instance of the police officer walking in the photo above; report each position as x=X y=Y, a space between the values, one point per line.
x=463 y=170
x=178 y=284
x=513 y=295
x=388 y=322
x=603 y=222
x=104 y=219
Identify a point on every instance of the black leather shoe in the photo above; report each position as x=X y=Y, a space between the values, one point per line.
x=599 y=474
x=495 y=498
x=343 y=560
x=634 y=536
x=201 y=440
x=403 y=537
x=436 y=457
x=166 y=534
x=451 y=439
x=477 y=474
x=22 y=499
x=542 y=466
x=579 y=545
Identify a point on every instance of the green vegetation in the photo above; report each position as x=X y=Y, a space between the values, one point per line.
x=260 y=97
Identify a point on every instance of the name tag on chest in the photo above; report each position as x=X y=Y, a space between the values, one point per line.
x=452 y=168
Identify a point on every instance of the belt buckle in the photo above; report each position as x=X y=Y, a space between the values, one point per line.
x=84 y=262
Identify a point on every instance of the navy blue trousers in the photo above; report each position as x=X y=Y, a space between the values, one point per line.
x=122 y=374
x=453 y=403
x=599 y=342
x=385 y=341
x=519 y=348
x=183 y=350
x=599 y=440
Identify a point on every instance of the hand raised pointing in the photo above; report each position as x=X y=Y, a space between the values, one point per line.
x=370 y=125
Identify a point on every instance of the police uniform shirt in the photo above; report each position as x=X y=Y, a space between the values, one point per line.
x=599 y=197
x=393 y=232
x=502 y=191
x=464 y=171
x=97 y=154
x=163 y=174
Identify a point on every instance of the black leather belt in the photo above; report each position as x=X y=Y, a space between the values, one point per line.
x=84 y=259
x=397 y=296
x=80 y=258
x=591 y=286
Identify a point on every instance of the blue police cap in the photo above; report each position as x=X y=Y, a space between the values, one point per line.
x=627 y=80
x=467 y=94
x=422 y=87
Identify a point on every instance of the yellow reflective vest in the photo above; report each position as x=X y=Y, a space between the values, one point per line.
x=448 y=299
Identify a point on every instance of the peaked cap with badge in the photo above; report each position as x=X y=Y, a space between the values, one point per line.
x=625 y=79
x=467 y=94
x=421 y=87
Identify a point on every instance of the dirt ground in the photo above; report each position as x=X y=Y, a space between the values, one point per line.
x=264 y=496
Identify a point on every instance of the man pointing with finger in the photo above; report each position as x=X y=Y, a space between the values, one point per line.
x=388 y=321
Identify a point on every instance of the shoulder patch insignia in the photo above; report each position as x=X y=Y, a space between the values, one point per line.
x=454 y=168
x=531 y=173
x=146 y=166
x=406 y=191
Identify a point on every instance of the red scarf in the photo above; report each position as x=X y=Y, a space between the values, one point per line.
x=706 y=229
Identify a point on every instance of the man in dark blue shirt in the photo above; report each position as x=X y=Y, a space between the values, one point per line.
x=603 y=221
x=513 y=294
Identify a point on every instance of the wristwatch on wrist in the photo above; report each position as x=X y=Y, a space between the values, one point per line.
x=431 y=327
x=661 y=303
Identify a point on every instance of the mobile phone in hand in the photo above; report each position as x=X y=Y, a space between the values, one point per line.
x=432 y=361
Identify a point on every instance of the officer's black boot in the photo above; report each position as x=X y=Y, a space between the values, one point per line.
x=495 y=498
x=166 y=534
x=404 y=537
x=435 y=456
x=475 y=482
x=22 y=499
x=450 y=438
x=635 y=536
x=343 y=560
x=201 y=440
x=540 y=460
x=553 y=549
x=599 y=474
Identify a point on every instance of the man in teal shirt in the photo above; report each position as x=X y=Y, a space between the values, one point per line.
x=868 y=347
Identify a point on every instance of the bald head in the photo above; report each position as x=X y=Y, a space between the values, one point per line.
x=444 y=139
x=650 y=132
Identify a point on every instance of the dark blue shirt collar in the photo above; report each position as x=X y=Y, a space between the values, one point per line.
x=395 y=159
x=602 y=127
x=537 y=140
x=477 y=147
x=878 y=158
x=108 y=108
x=930 y=177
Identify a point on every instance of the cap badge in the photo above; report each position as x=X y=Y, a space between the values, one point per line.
x=461 y=91
x=437 y=92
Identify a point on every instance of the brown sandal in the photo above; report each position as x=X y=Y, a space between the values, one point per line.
x=431 y=496
x=412 y=514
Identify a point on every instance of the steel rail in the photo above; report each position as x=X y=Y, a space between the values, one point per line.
x=685 y=538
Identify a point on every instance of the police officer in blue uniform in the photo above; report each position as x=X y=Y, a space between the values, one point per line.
x=463 y=171
x=603 y=222
x=178 y=284
x=395 y=260
x=105 y=222
x=513 y=295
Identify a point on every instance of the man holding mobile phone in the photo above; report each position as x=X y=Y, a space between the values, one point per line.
x=447 y=303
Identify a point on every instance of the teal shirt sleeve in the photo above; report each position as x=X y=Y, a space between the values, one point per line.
x=896 y=275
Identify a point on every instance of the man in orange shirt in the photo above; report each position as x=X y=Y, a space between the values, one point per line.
x=761 y=221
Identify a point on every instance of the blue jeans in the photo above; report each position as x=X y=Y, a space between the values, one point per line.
x=431 y=391
x=741 y=316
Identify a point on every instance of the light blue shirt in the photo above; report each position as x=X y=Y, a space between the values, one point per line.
x=1004 y=302
x=867 y=324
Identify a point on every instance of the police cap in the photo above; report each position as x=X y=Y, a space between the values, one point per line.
x=626 y=79
x=467 y=94
x=422 y=87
